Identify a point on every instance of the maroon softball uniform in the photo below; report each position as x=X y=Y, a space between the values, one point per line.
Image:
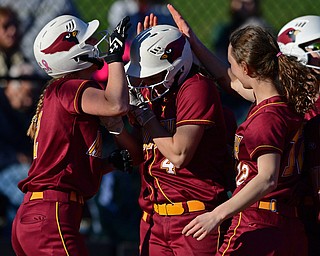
x=202 y=181
x=270 y=226
x=66 y=168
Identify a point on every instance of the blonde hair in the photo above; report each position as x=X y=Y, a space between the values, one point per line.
x=33 y=125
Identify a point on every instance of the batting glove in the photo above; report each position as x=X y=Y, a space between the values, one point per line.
x=117 y=41
x=114 y=124
x=139 y=108
x=121 y=160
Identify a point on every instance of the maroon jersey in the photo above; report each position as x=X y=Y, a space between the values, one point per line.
x=195 y=102
x=313 y=112
x=271 y=127
x=67 y=145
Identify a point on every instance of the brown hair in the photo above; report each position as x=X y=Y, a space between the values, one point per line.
x=260 y=51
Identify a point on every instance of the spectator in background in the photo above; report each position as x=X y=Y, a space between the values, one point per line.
x=34 y=14
x=243 y=13
x=17 y=100
x=10 y=53
x=137 y=10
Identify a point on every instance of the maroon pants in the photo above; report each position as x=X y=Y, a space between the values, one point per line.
x=262 y=232
x=166 y=238
x=145 y=231
x=48 y=226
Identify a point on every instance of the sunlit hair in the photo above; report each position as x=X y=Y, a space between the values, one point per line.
x=259 y=50
x=33 y=125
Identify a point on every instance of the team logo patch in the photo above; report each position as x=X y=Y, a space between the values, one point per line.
x=237 y=140
x=288 y=36
x=63 y=43
x=174 y=50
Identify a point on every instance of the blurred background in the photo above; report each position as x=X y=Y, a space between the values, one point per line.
x=111 y=220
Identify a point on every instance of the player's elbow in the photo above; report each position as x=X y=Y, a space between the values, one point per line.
x=271 y=183
x=180 y=161
x=121 y=109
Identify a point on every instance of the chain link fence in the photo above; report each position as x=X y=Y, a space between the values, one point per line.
x=204 y=16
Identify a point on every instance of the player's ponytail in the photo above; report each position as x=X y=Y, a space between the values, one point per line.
x=34 y=121
x=260 y=50
x=299 y=84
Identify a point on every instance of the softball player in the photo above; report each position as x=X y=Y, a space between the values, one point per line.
x=269 y=161
x=184 y=143
x=68 y=164
x=300 y=38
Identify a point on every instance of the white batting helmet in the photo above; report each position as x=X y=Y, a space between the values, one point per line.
x=60 y=47
x=157 y=49
x=298 y=34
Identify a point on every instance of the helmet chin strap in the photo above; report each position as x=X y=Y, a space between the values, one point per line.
x=98 y=62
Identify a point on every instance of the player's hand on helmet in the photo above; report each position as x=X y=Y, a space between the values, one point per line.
x=121 y=160
x=114 y=124
x=117 y=41
x=149 y=21
x=139 y=108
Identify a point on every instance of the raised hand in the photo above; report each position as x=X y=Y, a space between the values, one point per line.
x=117 y=41
x=182 y=24
x=149 y=21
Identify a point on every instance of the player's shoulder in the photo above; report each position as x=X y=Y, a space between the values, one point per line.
x=199 y=81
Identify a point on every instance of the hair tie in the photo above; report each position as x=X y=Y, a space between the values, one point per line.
x=278 y=54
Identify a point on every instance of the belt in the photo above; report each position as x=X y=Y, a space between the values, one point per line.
x=179 y=208
x=274 y=206
x=54 y=195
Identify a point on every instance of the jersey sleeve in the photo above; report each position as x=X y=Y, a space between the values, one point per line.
x=70 y=93
x=265 y=134
x=196 y=102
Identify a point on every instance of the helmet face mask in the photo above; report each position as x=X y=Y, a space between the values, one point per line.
x=156 y=84
x=102 y=45
x=161 y=49
x=301 y=38
x=62 y=47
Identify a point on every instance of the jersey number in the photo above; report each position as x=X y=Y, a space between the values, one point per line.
x=168 y=166
x=295 y=158
x=243 y=173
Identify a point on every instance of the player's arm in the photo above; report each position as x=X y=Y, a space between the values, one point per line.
x=179 y=148
x=265 y=182
x=114 y=100
x=132 y=143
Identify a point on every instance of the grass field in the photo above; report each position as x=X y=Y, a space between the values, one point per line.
x=204 y=15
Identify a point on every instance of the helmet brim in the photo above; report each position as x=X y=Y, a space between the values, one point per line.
x=92 y=27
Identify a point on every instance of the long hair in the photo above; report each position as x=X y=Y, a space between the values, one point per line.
x=260 y=51
x=34 y=121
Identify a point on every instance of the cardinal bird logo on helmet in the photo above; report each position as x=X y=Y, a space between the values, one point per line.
x=63 y=43
x=174 y=50
x=288 y=36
